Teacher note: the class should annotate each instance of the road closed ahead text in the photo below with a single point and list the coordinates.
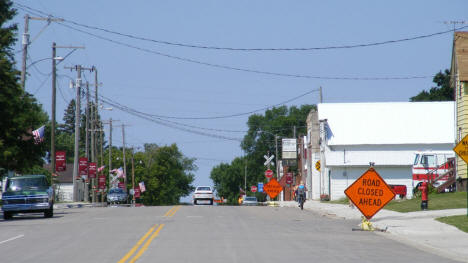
(369, 193)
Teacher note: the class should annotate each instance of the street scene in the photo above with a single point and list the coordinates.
(245, 131)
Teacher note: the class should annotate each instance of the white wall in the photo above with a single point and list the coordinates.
(64, 192)
(342, 177)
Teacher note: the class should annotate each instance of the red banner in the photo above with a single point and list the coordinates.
(92, 170)
(60, 161)
(102, 182)
(137, 192)
(83, 166)
(121, 185)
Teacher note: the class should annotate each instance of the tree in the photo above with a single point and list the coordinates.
(68, 125)
(167, 173)
(442, 92)
(259, 140)
(20, 113)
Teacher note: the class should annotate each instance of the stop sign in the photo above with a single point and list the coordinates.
(289, 178)
(269, 173)
(253, 189)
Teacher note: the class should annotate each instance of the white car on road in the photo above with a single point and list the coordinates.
(203, 195)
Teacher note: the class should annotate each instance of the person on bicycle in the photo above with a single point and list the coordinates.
(301, 193)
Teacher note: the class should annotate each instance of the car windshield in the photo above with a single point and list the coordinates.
(250, 199)
(28, 183)
(115, 191)
(204, 188)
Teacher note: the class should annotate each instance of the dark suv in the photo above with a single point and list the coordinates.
(27, 194)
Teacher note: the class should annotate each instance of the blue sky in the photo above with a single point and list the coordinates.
(164, 86)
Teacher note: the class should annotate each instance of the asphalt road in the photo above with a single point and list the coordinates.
(196, 234)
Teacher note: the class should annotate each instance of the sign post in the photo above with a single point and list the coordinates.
(461, 149)
(369, 193)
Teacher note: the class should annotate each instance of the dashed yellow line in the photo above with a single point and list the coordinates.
(145, 246)
(138, 244)
(172, 211)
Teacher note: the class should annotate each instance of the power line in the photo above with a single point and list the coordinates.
(278, 74)
(165, 42)
(238, 68)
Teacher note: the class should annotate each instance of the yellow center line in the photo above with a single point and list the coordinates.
(138, 244)
(145, 246)
(170, 210)
(174, 211)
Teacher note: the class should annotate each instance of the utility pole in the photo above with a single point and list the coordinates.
(78, 69)
(245, 177)
(101, 128)
(133, 176)
(124, 160)
(321, 95)
(110, 148)
(25, 50)
(77, 132)
(52, 125)
(54, 102)
(25, 43)
(86, 184)
(294, 132)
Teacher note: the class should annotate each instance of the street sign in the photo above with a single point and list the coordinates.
(260, 187)
(268, 159)
(462, 149)
(369, 193)
(269, 173)
(317, 165)
(253, 189)
(272, 188)
(289, 178)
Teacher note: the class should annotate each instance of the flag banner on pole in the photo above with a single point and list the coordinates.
(142, 186)
(101, 168)
(39, 135)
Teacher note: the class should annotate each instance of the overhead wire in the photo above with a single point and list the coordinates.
(240, 69)
(171, 43)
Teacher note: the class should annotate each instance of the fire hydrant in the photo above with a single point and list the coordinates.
(424, 201)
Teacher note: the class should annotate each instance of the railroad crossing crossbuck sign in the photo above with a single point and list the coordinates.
(268, 160)
(369, 193)
(462, 149)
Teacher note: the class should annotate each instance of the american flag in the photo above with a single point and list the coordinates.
(39, 135)
(142, 186)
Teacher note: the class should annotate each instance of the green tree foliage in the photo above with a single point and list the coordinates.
(20, 113)
(442, 92)
(259, 140)
(167, 173)
(68, 125)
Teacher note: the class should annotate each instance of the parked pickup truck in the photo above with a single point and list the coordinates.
(203, 195)
(27, 194)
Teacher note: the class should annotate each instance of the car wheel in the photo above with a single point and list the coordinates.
(211, 202)
(49, 213)
(195, 201)
(7, 215)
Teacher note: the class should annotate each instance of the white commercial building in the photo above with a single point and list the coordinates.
(346, 137)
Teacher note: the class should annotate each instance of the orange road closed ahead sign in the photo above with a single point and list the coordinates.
(369, 193)
(272, 188)
(462, 149)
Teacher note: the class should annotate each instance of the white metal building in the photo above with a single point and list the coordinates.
(354, 134)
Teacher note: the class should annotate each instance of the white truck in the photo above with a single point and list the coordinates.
(203, 195)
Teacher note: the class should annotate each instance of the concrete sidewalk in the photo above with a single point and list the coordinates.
(418, 229)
